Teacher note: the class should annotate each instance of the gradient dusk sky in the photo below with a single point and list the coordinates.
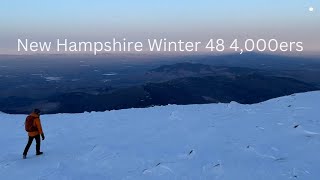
(100, 20)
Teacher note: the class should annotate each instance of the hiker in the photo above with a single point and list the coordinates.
(34, 129)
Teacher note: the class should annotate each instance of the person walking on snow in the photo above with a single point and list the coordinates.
(34, 129)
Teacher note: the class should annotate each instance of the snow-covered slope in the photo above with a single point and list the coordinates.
(215, 141)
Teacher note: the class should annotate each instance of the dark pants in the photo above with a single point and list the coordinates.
(37, 137)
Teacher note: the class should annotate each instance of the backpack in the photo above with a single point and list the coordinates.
(29, 124)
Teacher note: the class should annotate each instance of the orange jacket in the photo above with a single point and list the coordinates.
(36, 123)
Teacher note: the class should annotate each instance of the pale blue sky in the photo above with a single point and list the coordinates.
(137, 19)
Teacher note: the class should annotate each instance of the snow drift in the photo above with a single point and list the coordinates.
(276, 139)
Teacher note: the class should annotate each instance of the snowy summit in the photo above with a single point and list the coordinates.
(276, 139)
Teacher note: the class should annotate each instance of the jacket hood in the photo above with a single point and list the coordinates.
(34, 115)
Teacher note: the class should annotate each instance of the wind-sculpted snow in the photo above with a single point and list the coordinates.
(277, 139)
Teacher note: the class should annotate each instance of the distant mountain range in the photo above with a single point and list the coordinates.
(186, 83)
(180, 83)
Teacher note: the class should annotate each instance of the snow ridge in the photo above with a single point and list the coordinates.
(276, 139)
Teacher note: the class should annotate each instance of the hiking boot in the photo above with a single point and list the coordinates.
(39, 153)
(24, 156)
